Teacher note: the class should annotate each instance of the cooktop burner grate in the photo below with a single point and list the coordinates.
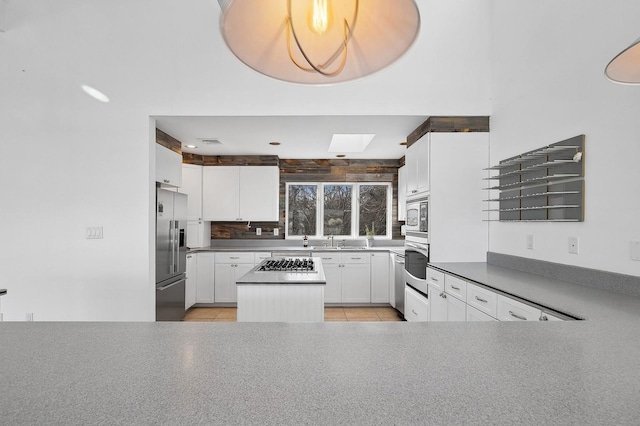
(288, 265)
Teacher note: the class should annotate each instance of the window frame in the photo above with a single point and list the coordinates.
(355, 210)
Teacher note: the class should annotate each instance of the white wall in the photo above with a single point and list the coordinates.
(69, 161)
(548, 85)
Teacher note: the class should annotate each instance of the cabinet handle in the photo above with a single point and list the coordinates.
(326, 258)
(481, 300)
(234, 257)
(435, 280)
(166, 180)
(444, 296)
(413, 191)
(455, 288)
(356, 258)
(414, 312)
(520, 317)
(544, 318)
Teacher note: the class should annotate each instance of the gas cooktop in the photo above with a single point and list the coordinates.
(293, 264)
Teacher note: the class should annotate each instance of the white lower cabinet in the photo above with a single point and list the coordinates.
(204, 277)
(356, 283)
(512, 310)
(380, 282)
(456, 309)
(475, 315)
(416, 306)
(229, 267)
(482, 299)
(348, 277)
(438, 305)
(192, 281)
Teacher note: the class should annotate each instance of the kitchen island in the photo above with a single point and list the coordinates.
(282, 290)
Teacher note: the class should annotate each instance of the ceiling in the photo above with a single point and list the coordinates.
(299, 136)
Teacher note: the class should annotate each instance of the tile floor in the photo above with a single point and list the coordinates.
(330, 314)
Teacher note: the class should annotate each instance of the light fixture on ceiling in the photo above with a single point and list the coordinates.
(190, 146)
(274, 143)
(625, 67)
(319, 41)
(403, 143)
(340, 155)
(95, 93)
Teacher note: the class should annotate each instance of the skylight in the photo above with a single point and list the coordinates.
(350, 142)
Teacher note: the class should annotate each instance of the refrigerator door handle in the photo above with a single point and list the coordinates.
(176, 245)
(168, 285)
(172, 243)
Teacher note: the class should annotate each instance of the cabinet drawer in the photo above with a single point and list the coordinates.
(355, 257)
(455, 287)
(328, 257)
(260, 256)
(435, 279)
(482, 299)
(475, 315)
(234, 257)
(416, 306)
(512, 310)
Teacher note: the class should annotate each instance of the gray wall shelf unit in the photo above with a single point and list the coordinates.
(543, 185)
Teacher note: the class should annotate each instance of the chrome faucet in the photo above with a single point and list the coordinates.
(330, 238)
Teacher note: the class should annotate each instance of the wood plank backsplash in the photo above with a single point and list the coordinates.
(301, 170)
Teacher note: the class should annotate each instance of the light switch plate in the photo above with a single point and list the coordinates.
(530, 242)
(635, 250)
(258, 231)
(276, 232)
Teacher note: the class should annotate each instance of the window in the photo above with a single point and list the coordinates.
(302, 209)
(373, 209)
(339, 209)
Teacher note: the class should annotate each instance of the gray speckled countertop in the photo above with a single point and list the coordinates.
(493, 373)
(573, 299)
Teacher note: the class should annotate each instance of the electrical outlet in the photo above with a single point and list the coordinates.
(276, 232)
(530, 242)
(258, 231)
(574, 245)
(635, 250)
(94, 232)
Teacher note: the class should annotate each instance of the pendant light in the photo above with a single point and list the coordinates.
(625, 67)
(319, 41)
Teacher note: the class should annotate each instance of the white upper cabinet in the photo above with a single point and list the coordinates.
(220, 193)
(168, 166)
(240, 193)
(259, 193)
(402, 193)
(417, 164)
(192, 186)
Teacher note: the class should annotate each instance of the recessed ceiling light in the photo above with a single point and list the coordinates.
(350, 142)
(340, 155)
(95, 93)
(274, 143)
(190, 146)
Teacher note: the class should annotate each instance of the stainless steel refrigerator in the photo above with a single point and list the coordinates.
(171, 254)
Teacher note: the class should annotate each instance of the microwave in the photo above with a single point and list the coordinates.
(418, 216)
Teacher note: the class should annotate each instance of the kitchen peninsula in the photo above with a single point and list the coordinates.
(282, 290)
